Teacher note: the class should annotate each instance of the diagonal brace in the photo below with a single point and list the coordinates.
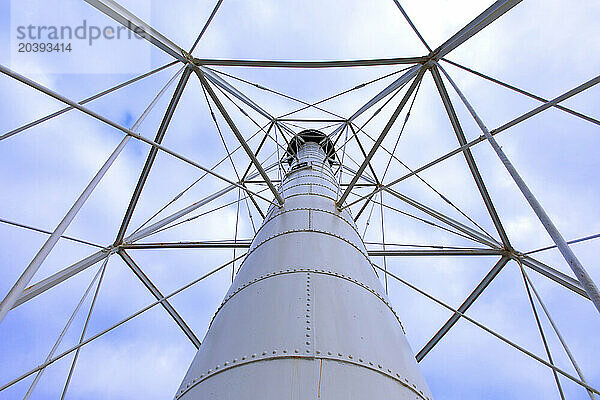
(489, 15)
(115, 11)
(238, 135)
(570, 257)
(469, 156)
(160, 134)
(158, 295)
(382, 136)
(463, 308)
(66, 273)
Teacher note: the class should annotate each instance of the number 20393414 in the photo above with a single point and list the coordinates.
(35, 47)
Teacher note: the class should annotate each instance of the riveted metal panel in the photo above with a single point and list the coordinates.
(301, 378)
(306, 316)
(279, 378)
(267, 316)
(329, 223)
(315, 213)
(283, 222)
(314, 202)
(308, 177)
(300, 221)
(287, 252)
(309, 188)
(348, 380)
(351, 321)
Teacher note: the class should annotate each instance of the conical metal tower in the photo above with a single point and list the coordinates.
(306, 316)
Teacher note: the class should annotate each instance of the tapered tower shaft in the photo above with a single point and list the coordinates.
(306, 316)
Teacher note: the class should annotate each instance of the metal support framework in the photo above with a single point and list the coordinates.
(309, 64)
(398, 83)
(493, 333)
(382, 136)
(129, 132)
(469, 157)
(542, 334)
(54, 279)
(463, 307)
(48, 283)
(142, 233)
(139, 27)
(523, 92)
(414, 28)
(66, 273)
(553, 274)
(116, 325)
(584, 86)
(249, 102)
(284, 128)
(16, 291)
(581, 274)
(47, 232)
(340, 121)
(583, 286)
(245, 243)
(315, 105)
(227, 244)
(260, 145)
(583, 239)
(203, 213)
(158, 295)
(65, 329)
(472, 233)
(488, 16)
(229, 156)
(180, 194)
(84, 101)
(469, 232)
(84, 330)
(363, 207)
(435, 252)
(364, 153)
(555, 328)
(160, 134)
(239, 136)
(206, 24)
(224, 85)
(437, 192)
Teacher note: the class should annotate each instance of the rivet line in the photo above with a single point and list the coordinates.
(272, 208)
(293, 178)
(309, 314)
(307, 270)
(252, 249)
(283, 212)
(339, 357)
(285, 188)
(311, 194)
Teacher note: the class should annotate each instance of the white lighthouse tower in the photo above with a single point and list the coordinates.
(306, 316)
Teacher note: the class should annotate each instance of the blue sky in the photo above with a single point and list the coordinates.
(546, 47)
